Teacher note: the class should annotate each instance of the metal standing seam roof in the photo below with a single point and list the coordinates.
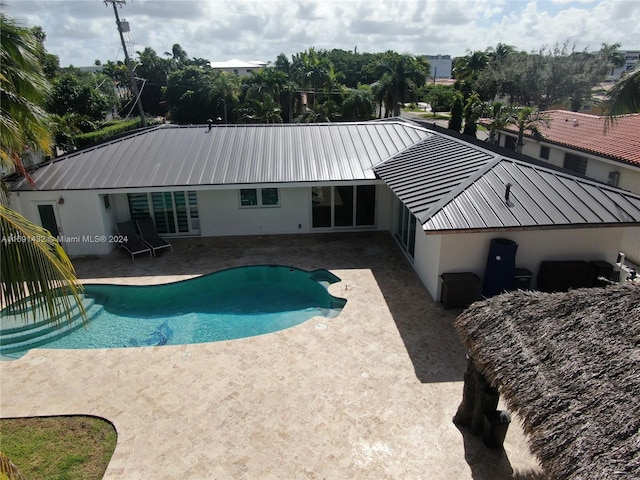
(170, 156)
(452, 186)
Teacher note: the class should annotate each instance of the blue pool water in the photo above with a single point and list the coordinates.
(235, 303)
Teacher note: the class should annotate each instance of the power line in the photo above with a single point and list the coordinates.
(122, 28)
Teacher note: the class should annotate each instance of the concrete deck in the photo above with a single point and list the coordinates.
(369, 397)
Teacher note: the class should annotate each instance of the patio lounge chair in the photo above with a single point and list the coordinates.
(130, 241)
(150, 236)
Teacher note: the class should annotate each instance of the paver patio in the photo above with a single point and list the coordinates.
(369, 397)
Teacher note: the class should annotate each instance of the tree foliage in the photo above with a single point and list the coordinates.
(82, 93)
(36, 275)
(457, 108)
(552, 76)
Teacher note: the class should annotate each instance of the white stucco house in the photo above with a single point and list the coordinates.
(580, 142)
(442, 198)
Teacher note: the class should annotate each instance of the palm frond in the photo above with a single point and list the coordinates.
(36, 273)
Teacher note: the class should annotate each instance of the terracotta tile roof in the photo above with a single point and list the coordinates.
(585, 132)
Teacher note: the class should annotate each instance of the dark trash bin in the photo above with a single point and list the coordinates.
(522, 279)
(496, 425)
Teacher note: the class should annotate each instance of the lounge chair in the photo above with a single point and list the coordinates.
(150, 236)
(130, 241)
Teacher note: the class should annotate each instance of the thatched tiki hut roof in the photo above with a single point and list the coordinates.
(569, 365)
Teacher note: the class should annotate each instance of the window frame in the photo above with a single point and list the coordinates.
(545, 152)
(357, 212)
(259, 195)
(189, 210)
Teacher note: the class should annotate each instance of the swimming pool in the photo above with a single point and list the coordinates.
(235, 303)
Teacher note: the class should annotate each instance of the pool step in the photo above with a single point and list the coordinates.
(12, 322)
(36, 334)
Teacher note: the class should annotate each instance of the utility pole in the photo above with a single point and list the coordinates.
(127, 60)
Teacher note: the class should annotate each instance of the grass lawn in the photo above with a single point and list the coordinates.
(56, 448)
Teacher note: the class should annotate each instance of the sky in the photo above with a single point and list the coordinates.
(82, 31)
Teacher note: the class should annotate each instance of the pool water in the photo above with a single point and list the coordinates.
(234, 303)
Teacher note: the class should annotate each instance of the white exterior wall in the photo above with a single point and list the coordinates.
(437, 254)
(83, 215)
(220, 214)
(81, 218)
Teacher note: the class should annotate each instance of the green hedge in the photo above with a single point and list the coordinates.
(110, 129)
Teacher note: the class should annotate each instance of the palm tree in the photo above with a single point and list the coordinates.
(37, 274)
(466, 69)
(624, 96)
(499, 115)
(400, 78)
(528, 119)
(358, 103)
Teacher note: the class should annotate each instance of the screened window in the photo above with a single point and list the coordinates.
(510, 142)
(575, 163)
(344, 206)
(259, 197)
(172, 212)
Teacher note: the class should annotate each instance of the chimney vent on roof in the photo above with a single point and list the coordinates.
(507, 192)
(209, 122)
(575, 122)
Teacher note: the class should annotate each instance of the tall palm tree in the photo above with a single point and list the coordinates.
(400, 78)
(37, 274)
(528, 119)
(467, 68)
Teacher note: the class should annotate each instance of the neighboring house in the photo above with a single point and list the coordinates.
(580, 143)
(441, 197)
(239, 67)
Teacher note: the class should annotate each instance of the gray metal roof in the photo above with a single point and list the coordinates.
(423, 174)
(169, 156)
(539, 197)
(450, 185)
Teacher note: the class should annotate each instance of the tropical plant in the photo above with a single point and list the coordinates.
(439, 97)
(472, 112)
(313, 70)
(66, 127)
(528, 119)
(83, 93)
(358, 103)
(623, 97)
(36, 273)
(457, 107)
(400, 78)
(499, 115)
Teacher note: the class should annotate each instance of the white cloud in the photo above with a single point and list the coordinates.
(80, 31)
